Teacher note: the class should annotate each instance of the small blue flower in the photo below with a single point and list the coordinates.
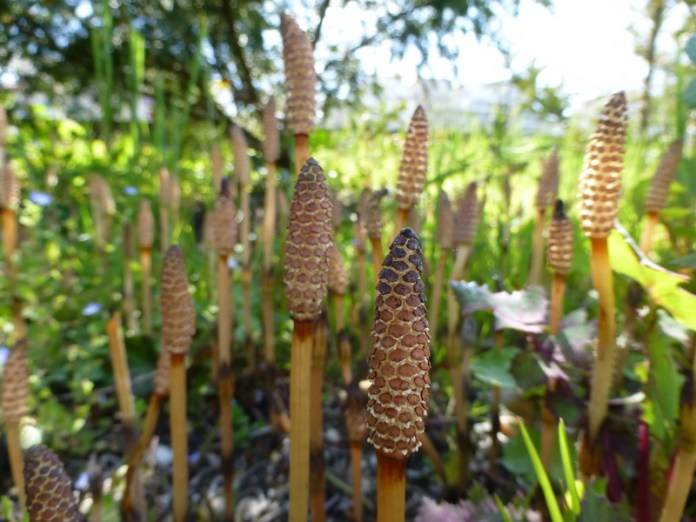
(4, 355)
(40, 198)
(91, 309)
(130, 190)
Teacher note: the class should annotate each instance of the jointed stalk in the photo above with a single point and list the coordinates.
(316, 438)
(179, 434)
(391, 489)
(14, 450)
(646, 238)
(146, 267)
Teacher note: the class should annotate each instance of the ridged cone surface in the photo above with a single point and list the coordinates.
(548, 183)
(664, 175)
(300, 77)
(15, 385)
(49, 490)
(9, 187)
(217, 165)
(560, 246)
(241, 155)
(338, 275)
(146, 224)
(363, 204)
(271, 137)
(165, 187)
(445, 222)
(399, 364)
(466, 218)
(308, 242)
(600, 181)
(414, 162)
(178, 314)
(161, 380)
(224, 225)
(373, 222)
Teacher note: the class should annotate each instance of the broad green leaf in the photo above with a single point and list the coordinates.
(691, 49)
(690, 93)
(661, 284)
(597, 508)
(663, 388)
(493, 367)
(544, 482)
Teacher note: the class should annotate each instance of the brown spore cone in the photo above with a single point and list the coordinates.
(161, 381)
(466, 218)
(548, 183)
(600, 181)
(49, 490)
(271, 138)
(300, 77)
(373, 220)
(414, 162)
(146, 224)
(178, 314)
(308, 242)
(224, 225)
(399, 364)
(9, 187)
(241, 154)
(560, 246)
(15, 385)
(338, 275)
(656, 196)
(445, 221)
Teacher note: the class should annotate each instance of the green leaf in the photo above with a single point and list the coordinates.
(597, 508)
(502, 509)
(527, 371)
(661, 284)
(493, 367)
(663, 388)
(690, 93)
(568, 467)
(549, 496)
(691, 49)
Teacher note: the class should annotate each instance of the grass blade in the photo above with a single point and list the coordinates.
(551, 502)
(568, 468)
(503, 510)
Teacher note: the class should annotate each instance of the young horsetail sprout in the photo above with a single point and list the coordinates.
(48, 488)
(241, 169)
(146, 238)
(178, 327)
(465, 224)
(373, 223)
(224, 238)
(560, 258)
(300, 85)
(656, 196)
(15, 391)
(546, 194)
(445, 225)
(306, 272)
(9, 203)
(399, 370)
(159, 395)
(271, 152)
(600, 187)
(414, 166)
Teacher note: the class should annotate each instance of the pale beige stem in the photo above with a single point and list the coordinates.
(14, 449)
(146, 266)
(316, 433)
(301, 151)
(402, 215)
(537, 249)
(269, 216)
(179, 436)
(356, 480)
(646, 238)
(391, 489)
(377, 255)
(119, 363)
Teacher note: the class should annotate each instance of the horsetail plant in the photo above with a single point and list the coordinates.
(165, 201)
(413, 168)
(9, 203)
(373, 224)
(306, 268)
(445, 225)
(225, 237)
(546, 194)
(146, 238)
(15, 392)
(338, 286)
(48, 487)
(560, 258)
(178, 328)
(600, 187)
(127, 240)
(656, 196)
(300, 85)
(271, 151)
(399, 367)
(317, 472)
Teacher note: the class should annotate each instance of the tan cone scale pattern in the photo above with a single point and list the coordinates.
(664, 175)
(178, 314)
(466, 219)
(600, 182)
(300, 78)
(146, 225)
(310, 230)
(548, 183)
(338, 275)
(224, 225)
(49, 490)
(271, 139)
(399, 364)
(445, 222)
(162, 374)
(560, 247)
(9, 187)
(414, 162)
(15, 385)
